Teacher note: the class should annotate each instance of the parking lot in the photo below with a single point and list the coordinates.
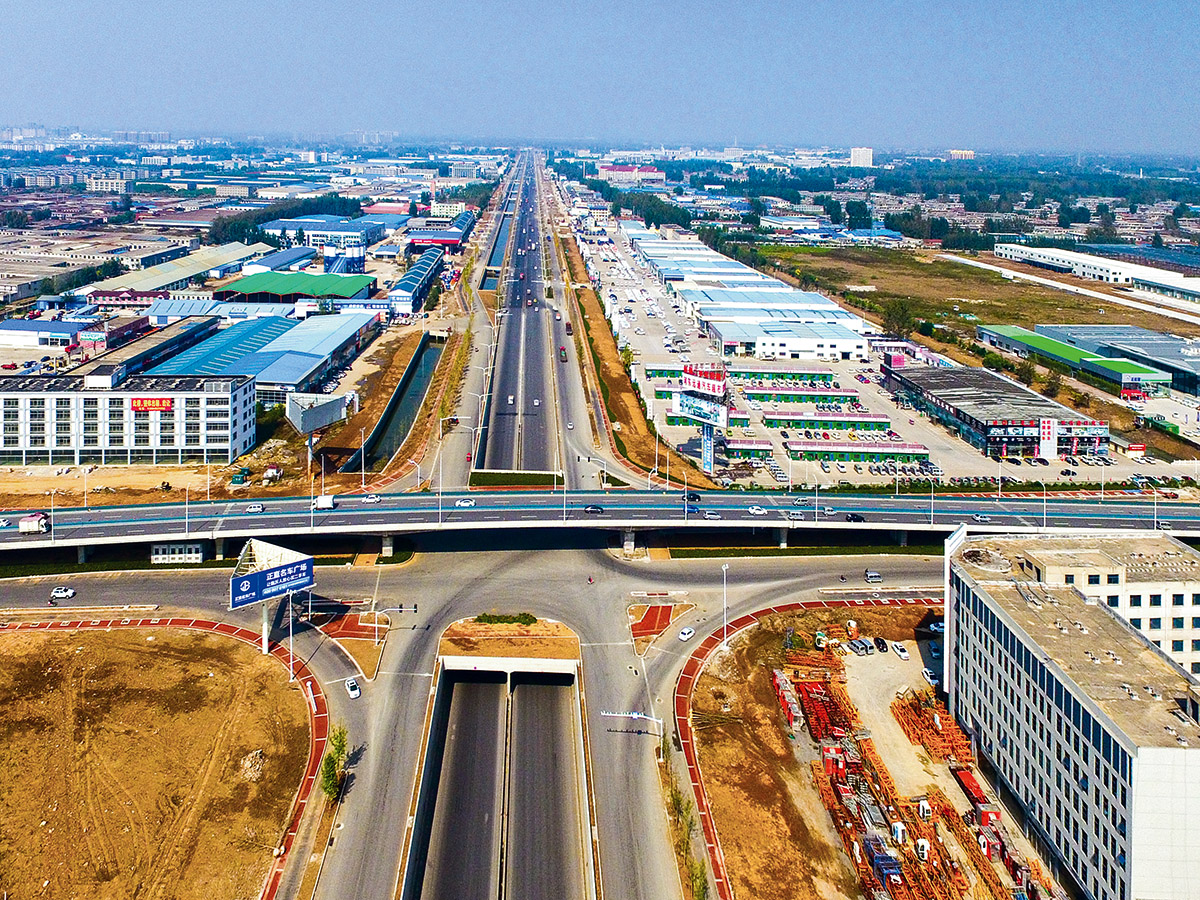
(882, 438)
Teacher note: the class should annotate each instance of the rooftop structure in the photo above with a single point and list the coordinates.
(289, 287)
(410, 291)
(145, 352)
(1086, 265)
(177, 273)
(1126, 374)
(1177, 356)
(1089, 727)
(788, 340)
(999, 416)
(214, 355)
(291, 259)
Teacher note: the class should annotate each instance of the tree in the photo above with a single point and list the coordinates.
(15, 218)
(898, 317)
(412, 208)
(1181, 211)
(333, 766)
(47, 286)
(435, 294)
(300, 238)
(1025, 372)
(858, 214)
(1158, 241)
(993, 361)
(614, 209)
(1053, 385)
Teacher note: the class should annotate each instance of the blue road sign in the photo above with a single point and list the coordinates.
(246, 590)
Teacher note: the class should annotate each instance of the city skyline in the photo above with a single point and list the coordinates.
(1014, 77)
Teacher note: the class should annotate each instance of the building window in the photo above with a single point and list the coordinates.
(1196, 667)
(1176, 646)
(1113, 600)
(1069, 579)
(1196, 646)
(1155, 624)
(1135, 599)
(1136, 623)
(1177, 599)
(1114, 578)
(1177, 622)
(1093, 579)
(1156, 599)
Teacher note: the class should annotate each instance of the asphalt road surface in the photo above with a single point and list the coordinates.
(397, 513)
(544, 844)
(464, 858)
(521, 434)
(457, 580)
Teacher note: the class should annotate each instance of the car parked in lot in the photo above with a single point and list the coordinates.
(930, 677)
(899, 650)
(881, 645)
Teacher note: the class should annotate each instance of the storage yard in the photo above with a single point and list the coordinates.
(831, 773)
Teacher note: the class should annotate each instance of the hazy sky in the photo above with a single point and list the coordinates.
(1004, 74)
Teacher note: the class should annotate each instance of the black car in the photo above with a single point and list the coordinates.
(880, 644)
(854, 517)
(691, 497)
(593, 509)
(784, 435)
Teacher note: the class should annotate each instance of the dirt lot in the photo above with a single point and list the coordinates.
(935, 286)
(620, 398)
(778, 839)
(545, 639)
(143, 764)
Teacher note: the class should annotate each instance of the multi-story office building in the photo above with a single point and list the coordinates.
(862, 157)
(104, 418)
(1088, 726)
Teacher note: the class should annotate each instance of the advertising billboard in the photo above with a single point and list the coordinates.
(705, 379)
(702, 409)
(150, 404)
(706, 449)
(254, 587)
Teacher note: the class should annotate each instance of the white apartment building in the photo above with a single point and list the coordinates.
(102, 418)
(1087, 724)
(99, 185)
(862, 157)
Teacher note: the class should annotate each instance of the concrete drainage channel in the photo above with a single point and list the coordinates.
(502, 808)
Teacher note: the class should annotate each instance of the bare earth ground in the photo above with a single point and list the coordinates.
(139, 764)
(622, 402)
(778, 839)
(545, 639)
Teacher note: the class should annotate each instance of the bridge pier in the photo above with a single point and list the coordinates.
(81, 554)
(783, 538)
(902, 537)
(219, 548)
(386, 547)
(629, 538)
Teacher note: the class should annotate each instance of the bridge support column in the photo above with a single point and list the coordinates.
(219, 548)
(629, 538)
(783, 536)
(81, 554)
(386, 546)
(902, 537)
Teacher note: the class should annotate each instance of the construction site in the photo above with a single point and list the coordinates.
(906, 814)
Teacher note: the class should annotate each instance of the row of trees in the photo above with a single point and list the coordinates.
(77, 279)
(244, 226)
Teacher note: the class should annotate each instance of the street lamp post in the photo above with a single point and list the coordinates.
(931, 500)
(362, 456)
(724, 605)
(186, 493)
(1043, 484)
(418, 465)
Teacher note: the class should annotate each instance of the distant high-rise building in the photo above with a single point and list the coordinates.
(962, 154)
(862, 157)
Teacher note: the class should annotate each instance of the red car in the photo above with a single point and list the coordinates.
(8, 366)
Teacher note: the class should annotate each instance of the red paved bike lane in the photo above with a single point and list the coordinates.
(692, 668)
(311, 687)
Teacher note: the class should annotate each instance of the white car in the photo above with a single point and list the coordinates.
(930, 677)
(570, 426)
(938, 627)
(756, 511)
(899, 650)
(372, 498)
(62, 593)
(711, 514)
(5, 523)
(687, 634)
(465, 502)
(980, 517)
(353, 689)
(254, 508)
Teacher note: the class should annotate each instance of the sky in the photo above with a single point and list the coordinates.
(1053, 75)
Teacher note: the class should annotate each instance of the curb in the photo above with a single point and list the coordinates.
(315, 697)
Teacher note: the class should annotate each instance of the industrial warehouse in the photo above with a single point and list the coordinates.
(998, 416)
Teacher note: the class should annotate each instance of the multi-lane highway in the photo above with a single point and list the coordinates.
(636, 509)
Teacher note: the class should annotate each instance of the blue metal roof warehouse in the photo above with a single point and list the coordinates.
(410, 290)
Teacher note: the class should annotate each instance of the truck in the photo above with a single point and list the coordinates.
(325, 501)
(569, 330)
(34, 523)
